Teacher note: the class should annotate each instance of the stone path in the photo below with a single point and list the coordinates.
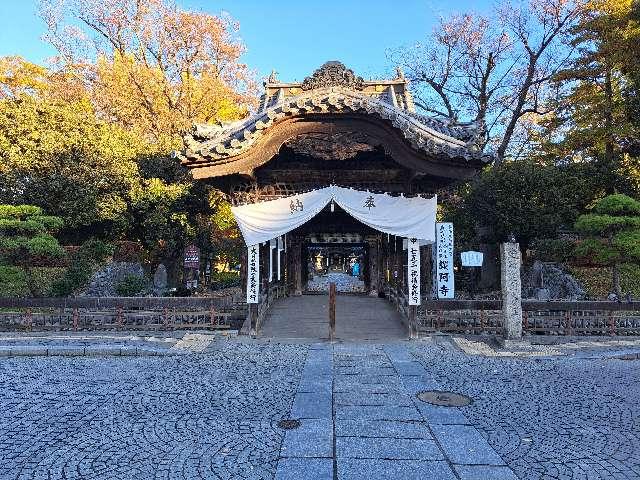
(344, 283)
(357, 318)
(361, 419)
(215, 414)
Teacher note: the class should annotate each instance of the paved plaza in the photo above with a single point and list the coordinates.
(213, 413)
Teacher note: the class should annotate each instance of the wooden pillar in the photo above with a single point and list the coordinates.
(295, 250)
(243, 271)
(332, 311)
(426, 276)
(412, 318)
(374, 270)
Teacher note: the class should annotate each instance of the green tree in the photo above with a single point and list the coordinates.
(104, 180)
(613, 229)
(523, 198)
(60, 156)
(26, 240)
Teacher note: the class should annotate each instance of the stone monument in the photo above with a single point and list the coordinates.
(160, 280)
(511, 290)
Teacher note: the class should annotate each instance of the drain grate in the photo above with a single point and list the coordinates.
(444, 399)
(288, 424)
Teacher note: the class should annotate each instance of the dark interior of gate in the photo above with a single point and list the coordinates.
(335, 128)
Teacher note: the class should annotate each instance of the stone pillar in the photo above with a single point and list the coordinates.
(374, 271)
(511, 290)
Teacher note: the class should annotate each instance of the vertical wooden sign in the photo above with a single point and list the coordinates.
(253, 273)
(413, 270)
(444, 260)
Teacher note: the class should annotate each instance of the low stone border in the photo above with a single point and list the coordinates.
(69, 351)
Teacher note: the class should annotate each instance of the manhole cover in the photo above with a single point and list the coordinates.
(445, 399)
(628, 356)
(288, 424)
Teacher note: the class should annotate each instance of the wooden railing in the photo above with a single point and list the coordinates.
(257, 312)
(581, 318)
(452, 316)
(135, 313)
(539, 318)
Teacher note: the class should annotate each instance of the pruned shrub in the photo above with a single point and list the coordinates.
(131, 286)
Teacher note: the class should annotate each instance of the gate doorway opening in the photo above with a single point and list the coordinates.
(340, 263)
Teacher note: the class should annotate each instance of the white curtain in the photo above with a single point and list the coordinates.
(401, 216)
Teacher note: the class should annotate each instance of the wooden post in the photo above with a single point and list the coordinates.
(29, 323)
(373, 267)
(212, 316)
(74, 316)
(253, 317)
(413, 321)
(332, 311)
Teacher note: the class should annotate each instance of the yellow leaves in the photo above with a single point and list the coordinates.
(183, 221)
(65, 138)
(17, 77)
(144, 97)
(155, 189)
(159, 68)
(610, 7)
(111, 207)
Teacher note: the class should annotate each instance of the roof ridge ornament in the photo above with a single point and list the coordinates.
(333, 74)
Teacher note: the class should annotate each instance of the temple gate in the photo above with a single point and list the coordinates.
(335, 128)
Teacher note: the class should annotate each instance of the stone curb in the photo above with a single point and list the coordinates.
(62, 351)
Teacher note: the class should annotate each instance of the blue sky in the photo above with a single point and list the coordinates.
(294, 37)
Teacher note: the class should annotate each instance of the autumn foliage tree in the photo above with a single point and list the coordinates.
(152, 65)
(88, 139)
(594, 115)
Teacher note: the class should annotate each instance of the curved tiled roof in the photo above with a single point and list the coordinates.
(424, 133)
(216, 144)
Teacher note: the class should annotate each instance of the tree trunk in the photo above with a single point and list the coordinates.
(517, 111)
(616, 281)
(608, 121)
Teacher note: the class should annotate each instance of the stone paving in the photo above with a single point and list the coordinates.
(215, 414)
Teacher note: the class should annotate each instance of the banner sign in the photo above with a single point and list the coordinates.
(192, 257)
(273, 244)
(280, 249)
(413, 270)
(471, 259)
(444, 260)
(253, 273)
(262, 221)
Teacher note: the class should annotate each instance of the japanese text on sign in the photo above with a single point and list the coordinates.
(471, 259)
(253, 273)
(192, 257)
(413, 270)
(444, 260)
(296, 206)
(369, 203)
